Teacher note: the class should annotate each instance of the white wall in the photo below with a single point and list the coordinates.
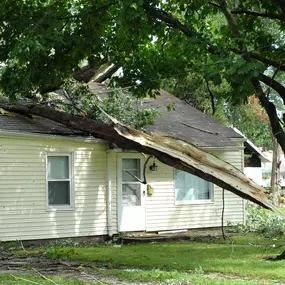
(163, 214)
(23, 212)
(254, 173)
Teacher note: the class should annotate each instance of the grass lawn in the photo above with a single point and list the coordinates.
(31, 279)
(242, 260)
(240, 257)
(175, 279)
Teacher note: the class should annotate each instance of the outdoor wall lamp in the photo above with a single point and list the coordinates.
(153, 167)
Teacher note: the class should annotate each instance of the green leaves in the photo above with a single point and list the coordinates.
(42, 43)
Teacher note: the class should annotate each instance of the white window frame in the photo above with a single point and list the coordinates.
(71, 206)
(195, 202)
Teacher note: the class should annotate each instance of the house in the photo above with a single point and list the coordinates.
(254, 160)
(59, 183)
(266, 172)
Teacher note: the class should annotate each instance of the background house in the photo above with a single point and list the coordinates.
(254, 160)
(56, 182)
(266, 173)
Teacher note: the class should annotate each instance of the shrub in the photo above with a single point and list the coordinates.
(263, 222)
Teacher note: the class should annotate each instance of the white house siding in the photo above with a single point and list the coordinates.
(163, 214)
(23, 212)
(114, 193)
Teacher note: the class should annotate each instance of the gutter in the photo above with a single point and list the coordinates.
(109, 189)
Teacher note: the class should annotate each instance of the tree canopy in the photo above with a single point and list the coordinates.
(43, 43)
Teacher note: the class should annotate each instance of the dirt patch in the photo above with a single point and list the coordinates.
(12, 264)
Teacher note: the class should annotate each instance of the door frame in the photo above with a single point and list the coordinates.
(120, 156)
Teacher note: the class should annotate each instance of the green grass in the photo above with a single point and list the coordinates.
(175, 277)
(28, 279)
(252, 239)
(233, 259)
(236, 261)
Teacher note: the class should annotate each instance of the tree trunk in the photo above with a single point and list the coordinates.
(275, 172)
(171, 151)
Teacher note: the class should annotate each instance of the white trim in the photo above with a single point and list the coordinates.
(238, 139)
(109, 220)
(6, 133)
(194, 202)
(121, 151)
(70, 207)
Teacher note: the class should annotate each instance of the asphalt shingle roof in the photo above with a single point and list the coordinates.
(37, 124)
(188, 124)
(183, 122)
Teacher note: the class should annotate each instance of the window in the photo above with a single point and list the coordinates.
(131, 187)
(59, 182)
(190, 188)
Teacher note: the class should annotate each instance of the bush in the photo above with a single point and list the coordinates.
(263, 222)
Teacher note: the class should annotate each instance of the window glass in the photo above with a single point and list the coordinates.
(130, 168)
(59, 182)
(131, 188)
(58, 167)
(59, 193)
(190, 187)
(131, 194)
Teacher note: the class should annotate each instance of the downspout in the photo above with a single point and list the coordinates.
(109, 189)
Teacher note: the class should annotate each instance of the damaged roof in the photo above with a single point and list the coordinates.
(182, 121)
(187, 123)
(34, 124)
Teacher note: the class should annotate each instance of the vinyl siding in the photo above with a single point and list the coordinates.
(163, 214)
(23, 211)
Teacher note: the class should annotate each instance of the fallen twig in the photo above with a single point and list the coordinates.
(26, 280)
(45, 277)
(91, 276)
(22, 245)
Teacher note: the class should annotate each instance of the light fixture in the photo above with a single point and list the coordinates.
(153, 167)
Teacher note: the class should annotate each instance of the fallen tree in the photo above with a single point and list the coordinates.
(171, 151)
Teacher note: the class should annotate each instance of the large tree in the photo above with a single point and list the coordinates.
(43, 43)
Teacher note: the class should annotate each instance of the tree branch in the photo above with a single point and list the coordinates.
(270, 108)
(231, 20)
(85, 74)
(267, 105)
(258, 14)
(252, 13)
(105, 75)
(165, 17)
(169, 19)
(260, 58)
(281, 4)
(171, 151)
(270, 82)
(212, 98)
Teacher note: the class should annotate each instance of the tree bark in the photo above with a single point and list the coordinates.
(275, 172)
(171, 151)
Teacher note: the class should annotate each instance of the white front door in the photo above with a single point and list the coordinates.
(131, 193)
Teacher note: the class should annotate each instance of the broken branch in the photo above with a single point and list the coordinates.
(173, 152)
